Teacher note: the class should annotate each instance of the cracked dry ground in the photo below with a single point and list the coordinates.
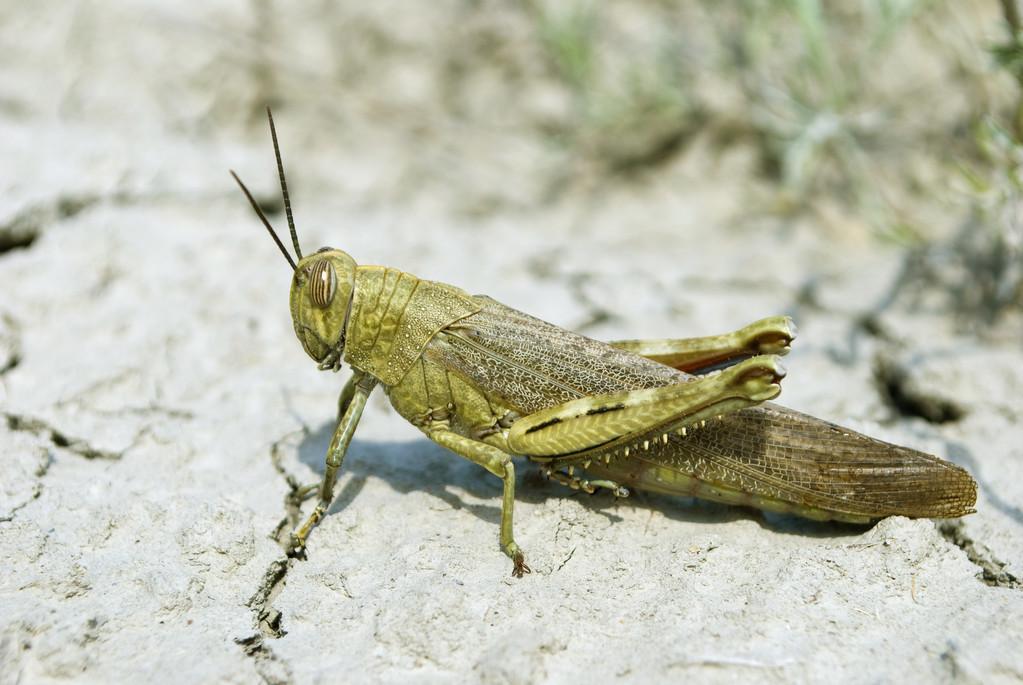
(158, 417)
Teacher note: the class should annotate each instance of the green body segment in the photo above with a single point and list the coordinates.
(394, 315)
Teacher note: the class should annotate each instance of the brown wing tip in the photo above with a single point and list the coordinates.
(954, 495)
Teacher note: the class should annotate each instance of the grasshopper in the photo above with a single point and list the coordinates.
(687, 416)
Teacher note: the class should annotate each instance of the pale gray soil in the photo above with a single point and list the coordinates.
(155, 402)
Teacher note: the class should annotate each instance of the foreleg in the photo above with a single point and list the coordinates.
(362, 385)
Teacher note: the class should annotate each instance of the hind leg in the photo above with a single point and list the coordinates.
(772, 335)
(568, 478)
(599, 422)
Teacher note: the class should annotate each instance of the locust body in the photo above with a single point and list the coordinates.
(687, 416)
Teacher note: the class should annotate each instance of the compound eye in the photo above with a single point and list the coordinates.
(322, 283)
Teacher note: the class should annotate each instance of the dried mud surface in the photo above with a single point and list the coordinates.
(156, 410)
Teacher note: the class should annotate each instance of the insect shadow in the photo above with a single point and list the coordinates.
(421, 465)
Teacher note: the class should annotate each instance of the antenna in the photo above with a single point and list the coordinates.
(284, 185)
(266, 223)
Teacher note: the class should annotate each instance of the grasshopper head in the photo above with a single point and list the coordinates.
(321, 295)
(322, 285)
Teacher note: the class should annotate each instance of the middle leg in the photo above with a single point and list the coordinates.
(498, 463)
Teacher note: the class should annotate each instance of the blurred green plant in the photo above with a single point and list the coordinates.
(977, 275)
(569, 35)
(991, 246)
(982, 266)
(820, 88)
(630, 104)
(809, 73)
(1009, 55)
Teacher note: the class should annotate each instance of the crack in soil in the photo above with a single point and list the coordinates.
(37, 487)
(82, 448)
(292, 500)
(268, 619)
(594, 314)
(992, 570)
(271, 669)
(26, 226)
(10, 343)
(900, 392)
(567, 559)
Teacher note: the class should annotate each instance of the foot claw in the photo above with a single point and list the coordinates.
(296, 548)
(520, 568)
